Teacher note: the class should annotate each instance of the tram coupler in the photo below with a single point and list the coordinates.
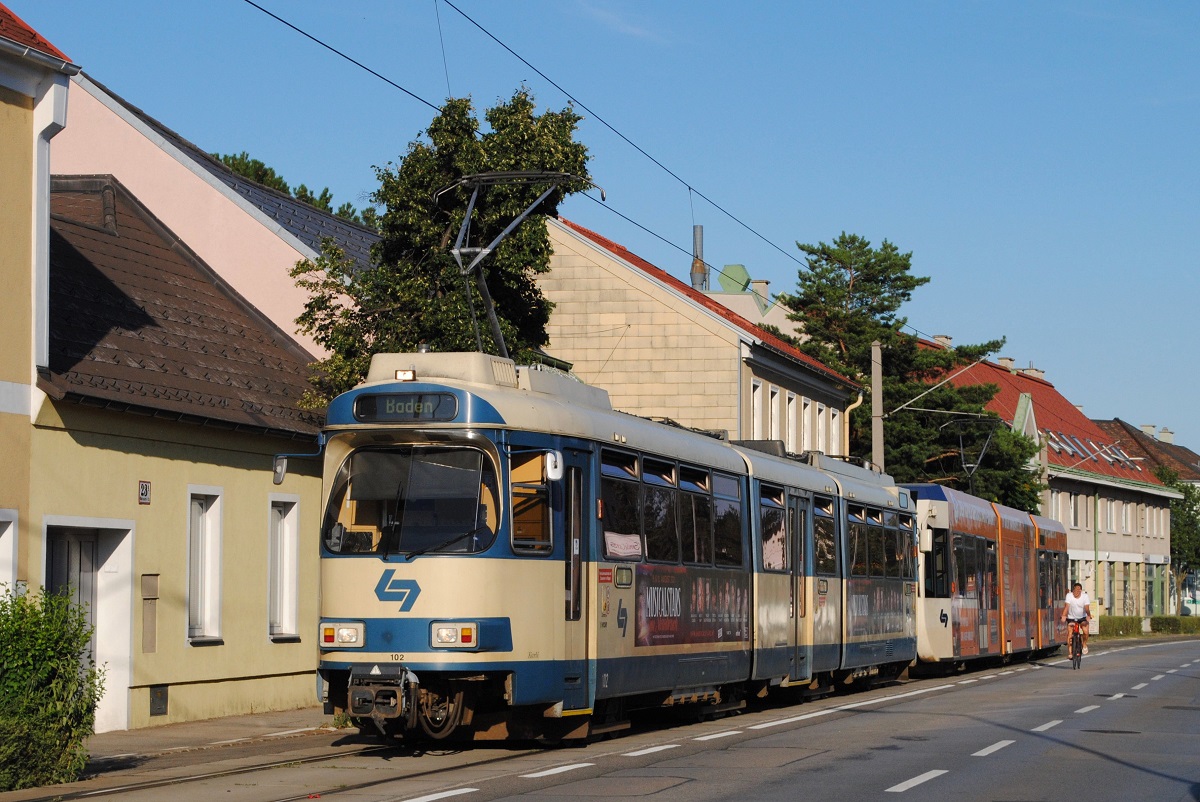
(382, 694)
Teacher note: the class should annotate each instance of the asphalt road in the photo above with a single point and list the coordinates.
(1124, 727)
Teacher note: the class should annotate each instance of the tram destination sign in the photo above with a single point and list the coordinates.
(405, 407)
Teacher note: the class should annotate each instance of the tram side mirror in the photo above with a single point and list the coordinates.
(280, 470)
(554, 466)
(926, 538)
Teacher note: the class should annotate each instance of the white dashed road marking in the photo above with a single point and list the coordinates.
(915, 781)
(996, 747)
(557, 770)
(1088, 709)
(651, 750)
(1047, 725)
(716, 735)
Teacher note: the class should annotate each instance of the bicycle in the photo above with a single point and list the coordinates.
(1076, 645)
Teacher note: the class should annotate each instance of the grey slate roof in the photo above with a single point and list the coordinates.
(307, 223)
(138, 322)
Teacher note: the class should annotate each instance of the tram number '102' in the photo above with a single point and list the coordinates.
(396, 658)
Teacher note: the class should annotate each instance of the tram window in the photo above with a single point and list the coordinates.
(960, 568)
(856, 537)
(937, 570)
(879, 550)
(696, 525)
(727, 521)
(988, 565)
(908, 546)
(530, 505)
(695, 480)
(660, 524)
(621, 504)
(618, 464)
(410, 499)
(824, 538)
(655, 472)
(773, 530)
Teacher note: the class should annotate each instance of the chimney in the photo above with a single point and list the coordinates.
(1006, 362)
(943, 340)
(1166, 436)
(1036, 373)
(699, 269)
(758, 286)
(1080, 408)
(1148, 429)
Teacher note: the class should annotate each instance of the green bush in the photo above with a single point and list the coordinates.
(1175, 624)
(49, 687)
(1115, 626)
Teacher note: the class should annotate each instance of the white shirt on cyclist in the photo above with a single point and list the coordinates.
(1077, 606)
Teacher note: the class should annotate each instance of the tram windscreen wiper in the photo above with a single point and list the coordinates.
(446, 543)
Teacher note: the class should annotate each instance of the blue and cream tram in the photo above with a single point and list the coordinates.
(503, 555)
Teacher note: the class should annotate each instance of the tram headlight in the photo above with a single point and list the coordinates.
(342, 635)
(461, 635)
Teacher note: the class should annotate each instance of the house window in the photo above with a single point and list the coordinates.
(756, 410)
(204, 565)
(8, 548)
(835, 431)
(1126, 518)
(1078, 516)
(1110, 507)
(283, 569)
(791, 422)
(806, 425)
(822, 430)
(773, 415)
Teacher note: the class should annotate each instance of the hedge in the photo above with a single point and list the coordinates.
(1176, 624)
(49, 687)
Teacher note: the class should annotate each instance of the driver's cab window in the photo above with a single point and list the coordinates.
(530, 504)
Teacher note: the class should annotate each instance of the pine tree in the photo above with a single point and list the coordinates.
(850, 294)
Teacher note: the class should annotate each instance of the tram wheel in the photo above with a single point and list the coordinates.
(440, 714)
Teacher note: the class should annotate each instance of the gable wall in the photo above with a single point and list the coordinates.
(253, 259)
(654, 353)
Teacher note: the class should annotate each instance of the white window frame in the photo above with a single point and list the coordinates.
(8, 548)
(822, 429)
(806, 427)
(756, 410)
(773, 414)
(1111, 507)
(835, 431)
(790, 417)
(204, 564)
(283, 567)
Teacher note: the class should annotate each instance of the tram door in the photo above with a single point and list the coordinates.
(826, 610)
(577, 501)
(799, 535)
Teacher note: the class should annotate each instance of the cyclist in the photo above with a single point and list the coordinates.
(1077, 610)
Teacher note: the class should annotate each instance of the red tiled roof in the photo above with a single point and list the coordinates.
(14, 29)
(1059, 422)
(1183, 461)
(663, 277)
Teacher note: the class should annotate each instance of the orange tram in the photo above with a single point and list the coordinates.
(992, 581)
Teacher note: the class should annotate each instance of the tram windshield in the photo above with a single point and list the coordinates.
(412, 500)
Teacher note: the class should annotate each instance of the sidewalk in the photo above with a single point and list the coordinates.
(209, 734)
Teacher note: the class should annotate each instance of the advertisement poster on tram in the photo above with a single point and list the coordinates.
(685, 605)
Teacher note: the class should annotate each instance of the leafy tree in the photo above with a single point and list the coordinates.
(417, 293)
(49, 688)
(255, 170)
(850, 294)
(1185, 526)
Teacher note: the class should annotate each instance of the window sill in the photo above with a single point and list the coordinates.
(206, 640)
(285, 638)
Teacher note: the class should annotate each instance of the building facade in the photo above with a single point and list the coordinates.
(1116, 512)
(665, 349)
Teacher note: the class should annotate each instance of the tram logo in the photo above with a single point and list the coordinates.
(404, 591)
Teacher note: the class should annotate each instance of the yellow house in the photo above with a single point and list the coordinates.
(33, 106)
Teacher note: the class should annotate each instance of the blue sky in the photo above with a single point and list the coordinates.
(1039, 159)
